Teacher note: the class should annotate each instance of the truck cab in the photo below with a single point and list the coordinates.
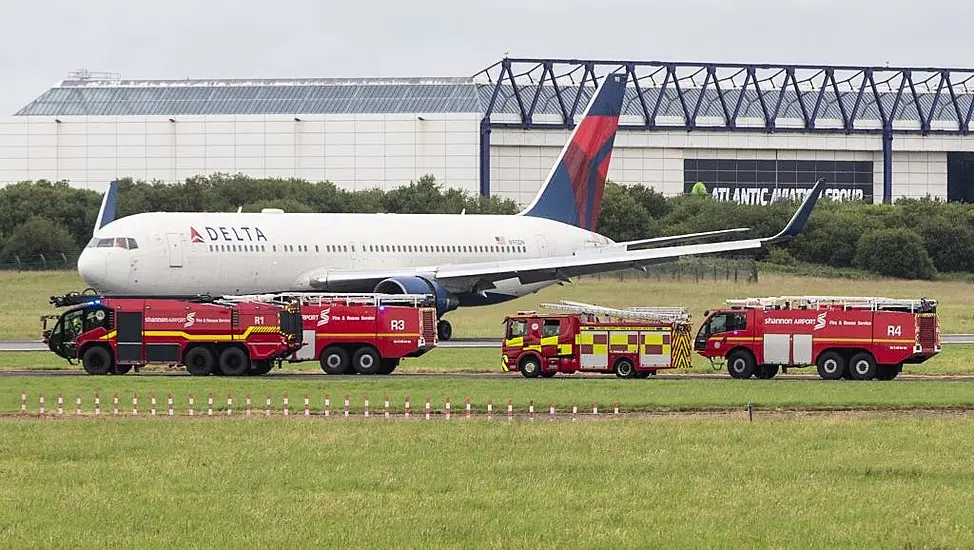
(717, 327)
(62, 339)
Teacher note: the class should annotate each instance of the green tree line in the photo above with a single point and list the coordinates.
(913, 238)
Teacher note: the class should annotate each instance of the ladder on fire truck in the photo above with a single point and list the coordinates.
(658, 314)
(875, 303)
(317, 298)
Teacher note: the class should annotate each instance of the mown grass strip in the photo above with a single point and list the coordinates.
(622, 484)
(632, 395)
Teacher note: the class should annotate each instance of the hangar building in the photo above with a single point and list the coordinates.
(750, 132)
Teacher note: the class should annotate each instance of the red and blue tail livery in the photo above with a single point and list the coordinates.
(572, 193)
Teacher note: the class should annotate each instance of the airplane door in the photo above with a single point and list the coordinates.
(175, 249)
(542, 246)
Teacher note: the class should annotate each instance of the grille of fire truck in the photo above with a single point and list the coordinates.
(920, 305)
(928, 331)
(429, 326)
(314, 298)
(660, 314)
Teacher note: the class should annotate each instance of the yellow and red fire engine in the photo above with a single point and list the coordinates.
(575, 337)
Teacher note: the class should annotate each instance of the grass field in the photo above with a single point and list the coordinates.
(25, 298)
(846, 480)
(668, 483)
(661, 394)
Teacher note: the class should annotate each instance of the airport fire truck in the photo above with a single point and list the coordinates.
(110, 335)
(575, 337)
(346, 333)
(361, 333)
(858, 338)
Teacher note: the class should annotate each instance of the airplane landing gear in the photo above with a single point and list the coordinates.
(444, 330)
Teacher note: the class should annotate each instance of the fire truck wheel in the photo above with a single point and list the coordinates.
(388, 365)
(334, 360)
(367, 361)
(624, 368)
(831, 365)
(741, 364)
(97, 360)
(199, 361)
(888, 372)
(444, 330)
(862, 366)
(234, 361)
(767, 372)
(530, 367)
(260, 368)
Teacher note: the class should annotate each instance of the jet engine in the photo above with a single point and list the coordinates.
(445, 301)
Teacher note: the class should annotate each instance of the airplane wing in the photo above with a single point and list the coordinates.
(677, 239)
(482, 276)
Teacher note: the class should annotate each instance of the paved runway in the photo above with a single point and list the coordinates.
(470, 343)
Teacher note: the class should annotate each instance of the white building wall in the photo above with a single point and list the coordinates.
(521, 159)
(353, 151)
(386, 151)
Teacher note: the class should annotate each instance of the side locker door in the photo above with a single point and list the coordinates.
(129, 337)
(175, 241)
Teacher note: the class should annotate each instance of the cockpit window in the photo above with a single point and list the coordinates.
(114, 242)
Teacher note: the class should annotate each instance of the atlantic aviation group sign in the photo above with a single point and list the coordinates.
(755, 193)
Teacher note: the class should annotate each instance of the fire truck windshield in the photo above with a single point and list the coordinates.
(723, 322)
(517, 328)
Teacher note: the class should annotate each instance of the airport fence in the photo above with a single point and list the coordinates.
(41, 262)
(738, 270)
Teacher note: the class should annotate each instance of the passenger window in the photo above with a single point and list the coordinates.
(550, 328)
(516, 329)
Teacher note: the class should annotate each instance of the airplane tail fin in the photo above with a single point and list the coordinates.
(106, 214)
(572, 193)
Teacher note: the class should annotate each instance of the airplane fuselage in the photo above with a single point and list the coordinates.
(237, 253)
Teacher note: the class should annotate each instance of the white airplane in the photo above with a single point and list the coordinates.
(464, 260)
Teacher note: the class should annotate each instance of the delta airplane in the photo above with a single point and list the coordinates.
(462, 259)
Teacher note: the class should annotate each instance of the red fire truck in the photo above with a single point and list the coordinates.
(361, 333)
(576, 337)
(857, 338)
(110, 335)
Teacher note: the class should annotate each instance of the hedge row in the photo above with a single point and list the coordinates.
(910, 239)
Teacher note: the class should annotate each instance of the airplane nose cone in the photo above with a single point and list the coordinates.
(92, 268)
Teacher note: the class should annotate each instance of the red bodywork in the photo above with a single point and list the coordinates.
(569, 343)
(355, 326)
(140, 331)
(831, 336)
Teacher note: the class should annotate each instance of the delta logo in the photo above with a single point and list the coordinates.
(227, 234)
